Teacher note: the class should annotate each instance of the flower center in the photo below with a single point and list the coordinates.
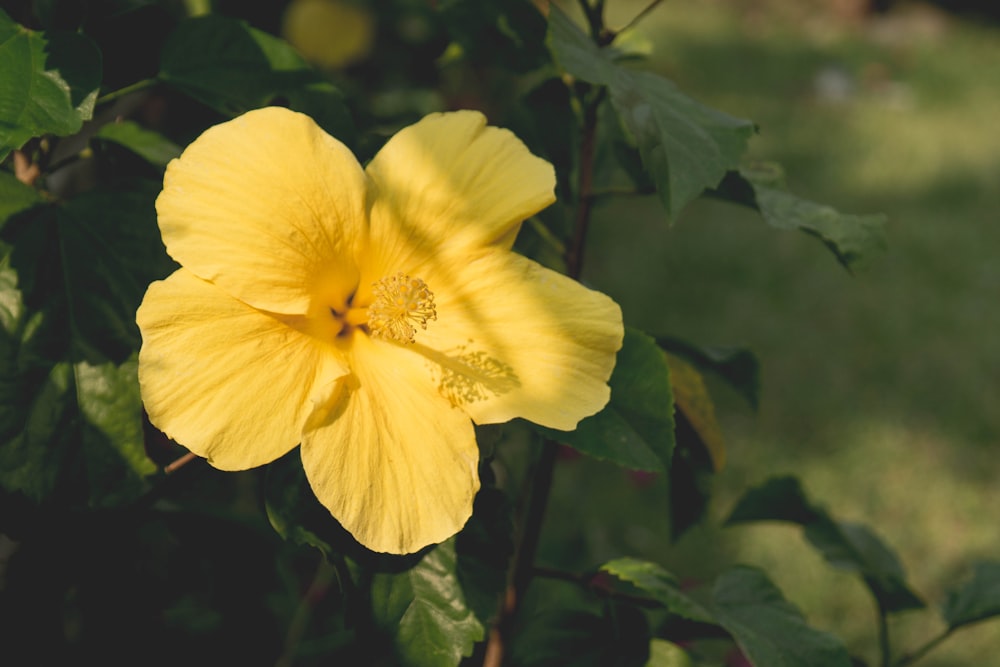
(401, 304)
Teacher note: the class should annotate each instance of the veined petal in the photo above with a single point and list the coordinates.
(268, 207)
(228, 382)
(514, 339)
(395, 463)
(449, 182)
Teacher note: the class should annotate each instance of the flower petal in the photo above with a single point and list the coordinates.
(268, 207)
(451, 182)
(230, 383)
(514, 339)
(395, 463)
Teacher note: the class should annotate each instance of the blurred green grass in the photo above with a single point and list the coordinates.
(880, 391)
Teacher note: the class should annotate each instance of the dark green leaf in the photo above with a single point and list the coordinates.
(618, 635)
(425, 611)
(636, 429)
(15, 196)
(847, 546)
(505, 33)
(71, 278)
(151, 146)
(292, 508)
(483, 549)
(738, 366)
(854, 239)
(977, 600)
(777, 499)
(686, 146)
(855, 548)
(770, 630)
(233, 68)
(576, 52)
(49, 83)
(653, 580)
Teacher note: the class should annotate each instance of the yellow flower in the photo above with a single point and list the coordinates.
(371, 315)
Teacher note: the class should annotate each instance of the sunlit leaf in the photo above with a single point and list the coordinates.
(686, 147)
(424, 611)
(49, 83)
(660, 584)
(737, 366)
(233, 68)
(151, 146)
(977, 600)
(667, 654)
(769, 629)
(636, 429)
(848, 546)
(693, 400)
(700, 450)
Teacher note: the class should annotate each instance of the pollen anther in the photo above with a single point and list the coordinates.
(402, 303)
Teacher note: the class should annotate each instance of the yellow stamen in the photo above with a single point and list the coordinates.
(401, 304)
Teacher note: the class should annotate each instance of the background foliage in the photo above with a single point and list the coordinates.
(751, 355)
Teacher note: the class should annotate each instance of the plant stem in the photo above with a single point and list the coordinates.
(326, 574)
(585, 189)
(176, 465)
(641, 15)
(595, 18)
(132, 88)
(885, 650)
(912, 657)
(541, 479)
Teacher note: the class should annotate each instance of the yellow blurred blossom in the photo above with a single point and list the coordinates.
(329, 33)
(371, 315)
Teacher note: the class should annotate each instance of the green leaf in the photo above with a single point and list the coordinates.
(71, 278)
(636, 429)
(151, 146)
(560, 637)
(848, 546)
(108, 401)
(484, 548)
(738, 366)
(15, 197)
(686, 146)
(505, 33)
(667, 654)
(233, 68)
(770, 630)
(49, 84)
(655, 581)
(777, 499)
(424, 611)
(855, 240)
(695, 405)
(977, 600)
(292, 507)
(701, 448)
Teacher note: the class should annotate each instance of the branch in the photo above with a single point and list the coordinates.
(325, 575)
(885, 651)
(641, 15)
(911, 658)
